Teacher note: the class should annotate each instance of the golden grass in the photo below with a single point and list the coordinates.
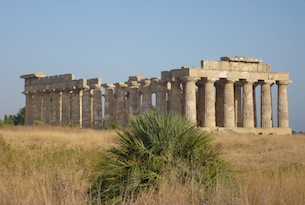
(51, 165)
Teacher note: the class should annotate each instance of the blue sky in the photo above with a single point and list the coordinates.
(115, 39)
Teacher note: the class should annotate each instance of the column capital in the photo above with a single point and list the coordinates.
(230, 80)
(121, 85)
(145, 82)
(283, 82)
(190, 79)
(269, 82)
(108, 86)
(248, 81)
(211, 80)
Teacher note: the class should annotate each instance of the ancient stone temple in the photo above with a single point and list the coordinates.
(220, 96)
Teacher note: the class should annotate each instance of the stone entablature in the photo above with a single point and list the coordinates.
(219, 96)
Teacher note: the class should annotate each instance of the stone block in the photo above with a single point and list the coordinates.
(214, 65)
(224, 65)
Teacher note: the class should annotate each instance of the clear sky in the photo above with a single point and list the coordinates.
(118, 38)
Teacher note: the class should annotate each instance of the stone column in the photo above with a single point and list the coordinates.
(248, 104)
(161, 104)
(77, 114)
(254, 105)
(229, 112)
(146, 96)
(28, 119)
(219, 103)
(209, 117)
(97, 114)
(282, 110)
(37, 106)
(175, 101)
(266, 104)
(86, 108)
(121, 103)
(238, 106)
(190, 99)
(200, 103)
(46, 109)
(109, 105)
(66, 108)
(56, 108)
(134, 96)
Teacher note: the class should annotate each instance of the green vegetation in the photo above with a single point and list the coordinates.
(152, 148)
(15, 119)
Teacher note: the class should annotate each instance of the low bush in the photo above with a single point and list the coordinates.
(155, 146)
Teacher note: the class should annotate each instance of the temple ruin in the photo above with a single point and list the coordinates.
(219, 96)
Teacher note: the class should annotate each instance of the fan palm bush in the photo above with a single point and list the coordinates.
(154, 146)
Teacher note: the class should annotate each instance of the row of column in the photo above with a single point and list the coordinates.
(79, 107)
(235, 104)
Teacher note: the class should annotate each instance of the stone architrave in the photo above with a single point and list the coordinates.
(248, 104)
(76, 117)
(161, 102)
(229, 112)
(175, 97)
(266, 104)
(121, 113)
(66, 108)
(209, 116)
(190, 99)
(146, 96)
(46, 108)
(97, 118)
(282, 111)
(200, 102)
(109, 105)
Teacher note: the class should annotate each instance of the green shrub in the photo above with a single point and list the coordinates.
(1, 123)
(153, 146)
(38, 123)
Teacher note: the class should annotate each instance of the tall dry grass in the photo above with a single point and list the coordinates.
(48, 165)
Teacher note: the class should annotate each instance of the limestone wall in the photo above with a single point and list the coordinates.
(219, 95)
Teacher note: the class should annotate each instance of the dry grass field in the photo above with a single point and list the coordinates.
(49, 165)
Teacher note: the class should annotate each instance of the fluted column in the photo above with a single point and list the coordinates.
(266, 104)
(209, 114)
(190, 99)
(121, 113)
(109, 105)
(238, 106)
(46, 108)
(134, 96)
(86, 108)
(282, 111)
(66, 108)
(248, 104)
(254, 105)
(146, 96)
(77, 113)
(229, 112)
(175, 98)
(56, 110)
(28, 119)
(37, 106)
(219, 103)
(97, 107)
(161, 103)
(200, 103)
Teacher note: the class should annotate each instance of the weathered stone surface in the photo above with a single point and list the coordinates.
(219, 95)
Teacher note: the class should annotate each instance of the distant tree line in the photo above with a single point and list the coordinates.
(17, 119)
